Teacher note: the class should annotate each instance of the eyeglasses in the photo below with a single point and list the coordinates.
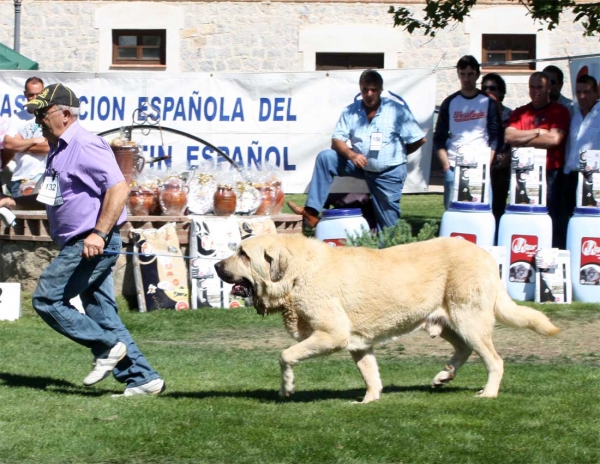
(485, 88)
(553, 81)
(42, 115)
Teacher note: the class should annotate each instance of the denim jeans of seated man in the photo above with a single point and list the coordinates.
(385, 187)
(448, 186)
(100, 327)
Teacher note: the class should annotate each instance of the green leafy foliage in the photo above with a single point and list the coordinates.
(398, 234)
(439, 14)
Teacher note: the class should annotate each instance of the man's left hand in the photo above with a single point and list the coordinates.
(93, 246)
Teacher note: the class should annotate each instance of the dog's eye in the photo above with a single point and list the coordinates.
(243, 255)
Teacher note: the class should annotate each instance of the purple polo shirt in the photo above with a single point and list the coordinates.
(86, 168)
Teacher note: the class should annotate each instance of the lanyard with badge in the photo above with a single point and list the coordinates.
(376, 141)
(50, 193)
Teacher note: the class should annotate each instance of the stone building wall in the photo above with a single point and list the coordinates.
(254, 36)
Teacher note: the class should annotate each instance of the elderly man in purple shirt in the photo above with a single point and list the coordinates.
(85, 194)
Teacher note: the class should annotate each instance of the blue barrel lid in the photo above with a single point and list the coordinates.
(587, 210)
(465, 206)
(527, 209)
(341, 212)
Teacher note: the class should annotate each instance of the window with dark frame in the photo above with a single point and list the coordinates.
(140, 47)
(508, 47)
(333, 61)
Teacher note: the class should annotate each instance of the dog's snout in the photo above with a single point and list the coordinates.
(221, 272)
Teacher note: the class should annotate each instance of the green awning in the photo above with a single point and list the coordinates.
(9, 59)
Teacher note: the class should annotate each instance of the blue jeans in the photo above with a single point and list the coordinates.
(100, 328)
(448, 186)
(385, 187)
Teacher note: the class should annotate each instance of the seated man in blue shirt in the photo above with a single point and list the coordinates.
(382, 132)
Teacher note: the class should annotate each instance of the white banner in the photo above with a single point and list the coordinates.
(280, 119)
(580, 66)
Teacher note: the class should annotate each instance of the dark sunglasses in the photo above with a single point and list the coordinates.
(489, 87)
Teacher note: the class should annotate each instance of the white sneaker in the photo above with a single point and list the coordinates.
(154, 387)
(104, 366)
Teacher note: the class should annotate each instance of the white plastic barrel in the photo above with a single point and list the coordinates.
(336, 225)
(583, 241)
(523, 230)
(473, 222)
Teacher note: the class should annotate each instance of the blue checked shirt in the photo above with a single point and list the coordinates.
(393, 119)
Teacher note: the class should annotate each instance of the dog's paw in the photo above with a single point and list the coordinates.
(443, 378)
(483, 394)
(286, 393)
(369, 398)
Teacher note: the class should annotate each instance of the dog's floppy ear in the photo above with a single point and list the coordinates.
(278, 258)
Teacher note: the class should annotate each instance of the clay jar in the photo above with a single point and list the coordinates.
(173, 197)
(279, 197)
(27, 187)
(128, 158)
(224, 200)
(267, 204)
(141, 201)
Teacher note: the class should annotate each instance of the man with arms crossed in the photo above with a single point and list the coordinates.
(85, 193)
(468, 118)
(24, 141)
(382, 133)
(544, 123)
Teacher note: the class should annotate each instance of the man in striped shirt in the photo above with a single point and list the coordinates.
(468, 118)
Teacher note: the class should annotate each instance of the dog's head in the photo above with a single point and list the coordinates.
(262, 265)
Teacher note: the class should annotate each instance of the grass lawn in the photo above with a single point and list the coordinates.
(221, 404)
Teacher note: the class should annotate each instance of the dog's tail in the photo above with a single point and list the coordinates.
(510, 314)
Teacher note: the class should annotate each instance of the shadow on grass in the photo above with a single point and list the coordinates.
(311, 396)
(305, 396)
(46, 383)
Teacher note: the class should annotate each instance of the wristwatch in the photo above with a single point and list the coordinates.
(102, 235)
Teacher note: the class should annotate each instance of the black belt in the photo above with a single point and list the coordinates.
(84, 235)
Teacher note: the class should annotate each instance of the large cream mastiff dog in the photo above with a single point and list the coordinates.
(353, 298)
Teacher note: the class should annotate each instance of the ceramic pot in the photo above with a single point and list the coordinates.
(27, 187)
(279, 198)
(141, 201)
(224, 201)
(267, 204)
(173, 197)
(129, 160)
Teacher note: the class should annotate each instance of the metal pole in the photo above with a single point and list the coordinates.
(17, 45)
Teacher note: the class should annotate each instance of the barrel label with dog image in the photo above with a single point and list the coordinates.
(589, 273)
(522, 258)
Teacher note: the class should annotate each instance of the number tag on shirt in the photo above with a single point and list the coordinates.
(50, 192)
(376, 141)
